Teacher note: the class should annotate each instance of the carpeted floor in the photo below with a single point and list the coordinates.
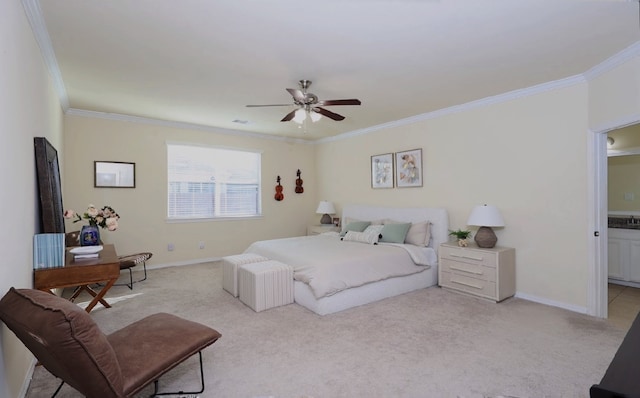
(428, 343)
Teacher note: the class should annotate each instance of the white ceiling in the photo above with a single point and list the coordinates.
(202, 61)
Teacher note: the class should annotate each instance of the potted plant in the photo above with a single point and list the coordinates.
(462, 236)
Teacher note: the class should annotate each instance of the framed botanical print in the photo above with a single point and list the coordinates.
(409, 168)
(382, 171)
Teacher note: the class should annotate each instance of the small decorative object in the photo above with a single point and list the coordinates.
(279, 195)
(485, 217)
(114, 174)
(409, 168)
(299, 188)
(382, 171)
(103, 218)
(325, 208)
(462, 237)
(336, 221)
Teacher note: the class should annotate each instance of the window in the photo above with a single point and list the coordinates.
(208, 182)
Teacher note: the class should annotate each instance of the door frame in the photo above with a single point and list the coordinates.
(597, 202)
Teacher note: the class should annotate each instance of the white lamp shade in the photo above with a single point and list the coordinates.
(326, 208)
(485, 216)
(315, 116)
(301, 114)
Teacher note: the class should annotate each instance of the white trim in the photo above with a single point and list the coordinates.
(552, 303)
(187, 262)
(597, 220)
(180, 125)
(622, 122)
(614, 61)
(34, 15)
(508, 96)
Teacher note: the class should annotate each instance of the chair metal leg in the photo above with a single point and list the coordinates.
(131, 281)
(58, 389)
(155, 384)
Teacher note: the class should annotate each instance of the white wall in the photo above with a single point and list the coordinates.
(143, 209)
(28, 108)
(513, 155)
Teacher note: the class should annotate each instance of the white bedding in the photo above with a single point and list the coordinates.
(372, 291)
(329, 265)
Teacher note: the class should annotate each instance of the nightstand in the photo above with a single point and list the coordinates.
(488, 273)
(321, 228)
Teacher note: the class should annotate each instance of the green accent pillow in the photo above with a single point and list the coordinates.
(356, 226)
(394, 233)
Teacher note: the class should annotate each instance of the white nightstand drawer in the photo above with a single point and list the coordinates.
(468, 255)
(470, 270)
(489, 273)
(467, 284)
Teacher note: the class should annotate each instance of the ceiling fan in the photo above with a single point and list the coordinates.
(308, 103)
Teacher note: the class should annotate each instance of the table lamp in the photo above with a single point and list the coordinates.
(325, 208)
(485, 217)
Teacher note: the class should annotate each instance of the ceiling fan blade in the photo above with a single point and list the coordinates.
(328, 114)
(297, 95)
(258, 106)
(289, 116)
(352, 101)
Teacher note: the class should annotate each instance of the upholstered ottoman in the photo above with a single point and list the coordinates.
(230, 269)
(265, 285)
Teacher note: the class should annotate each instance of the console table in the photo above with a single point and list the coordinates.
(81, 274)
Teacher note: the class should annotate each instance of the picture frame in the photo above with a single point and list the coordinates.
(336, 221)
(114, 174)
(382, 171)
(409, 168)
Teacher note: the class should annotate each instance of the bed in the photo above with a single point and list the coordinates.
(333, 271)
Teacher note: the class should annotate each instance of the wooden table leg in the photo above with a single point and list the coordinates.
(99, 295)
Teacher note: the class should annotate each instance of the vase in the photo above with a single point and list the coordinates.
(463, 243)
(89, 235)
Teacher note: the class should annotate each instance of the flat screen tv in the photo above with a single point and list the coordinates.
(49, 187)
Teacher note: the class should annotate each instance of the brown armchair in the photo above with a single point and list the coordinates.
(69, 344)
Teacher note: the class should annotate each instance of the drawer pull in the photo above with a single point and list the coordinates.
(453, 267)
(467, 284)
(468, 257)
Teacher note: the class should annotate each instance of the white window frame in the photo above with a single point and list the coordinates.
(215, 182)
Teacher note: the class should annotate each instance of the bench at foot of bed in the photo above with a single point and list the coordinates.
(230, 266)
(266, 284)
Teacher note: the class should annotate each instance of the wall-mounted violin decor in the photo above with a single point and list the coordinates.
(279, 195)
(299, 188)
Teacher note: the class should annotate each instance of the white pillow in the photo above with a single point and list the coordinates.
(370, 235)
(419, 234)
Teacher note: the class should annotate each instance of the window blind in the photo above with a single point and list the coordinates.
(210, 182)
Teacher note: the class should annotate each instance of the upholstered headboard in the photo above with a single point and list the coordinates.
(438, 217)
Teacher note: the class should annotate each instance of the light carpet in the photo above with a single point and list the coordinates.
(428, 343)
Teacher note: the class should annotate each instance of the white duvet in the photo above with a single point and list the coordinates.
(329, 265)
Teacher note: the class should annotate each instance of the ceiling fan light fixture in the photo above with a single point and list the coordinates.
(301, 114)
(315, 116)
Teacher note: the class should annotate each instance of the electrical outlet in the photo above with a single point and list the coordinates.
(170, 247)
(201, 244)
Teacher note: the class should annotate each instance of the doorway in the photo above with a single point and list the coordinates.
(597, 294)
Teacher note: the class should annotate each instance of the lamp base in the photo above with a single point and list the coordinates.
(326, 219)
(485, 237)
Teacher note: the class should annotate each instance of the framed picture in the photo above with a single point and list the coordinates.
(409, 168)
(336, 221)
(114, 175)
(382, 171)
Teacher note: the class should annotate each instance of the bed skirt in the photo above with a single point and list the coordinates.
(364, 294)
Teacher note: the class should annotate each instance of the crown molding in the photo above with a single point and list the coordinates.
(509, 96)
(34, 15)
(180, 125)
(614, 61)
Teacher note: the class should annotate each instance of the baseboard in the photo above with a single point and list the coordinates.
(27, 380)
(188, 262)
(552, 303)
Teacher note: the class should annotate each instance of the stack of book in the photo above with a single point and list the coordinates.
(48, 251)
